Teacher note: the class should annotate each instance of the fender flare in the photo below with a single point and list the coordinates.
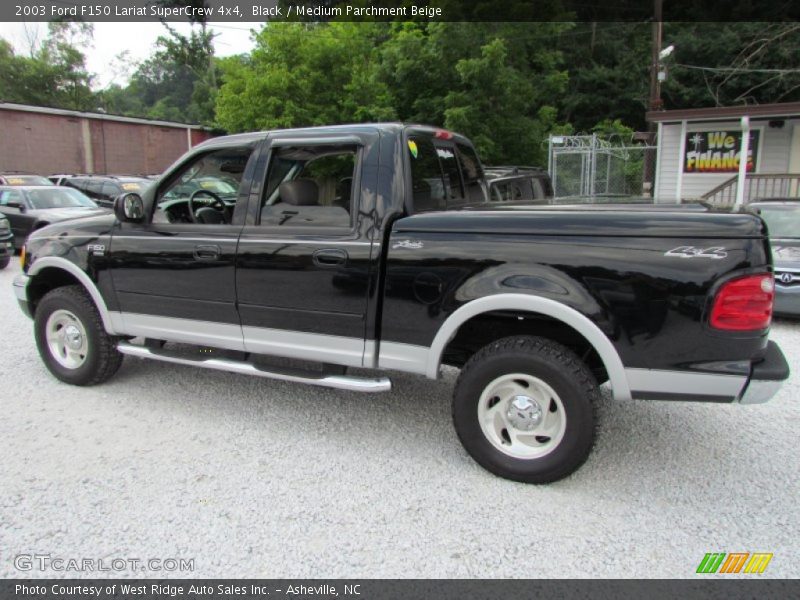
(533, 304)
(62, 263)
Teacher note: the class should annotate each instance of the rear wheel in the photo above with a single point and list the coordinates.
(523, 407)
(71, 338)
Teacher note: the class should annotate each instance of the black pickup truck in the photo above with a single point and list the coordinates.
(375, 246)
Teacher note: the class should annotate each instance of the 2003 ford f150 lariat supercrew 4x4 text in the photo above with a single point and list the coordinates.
(297, 254)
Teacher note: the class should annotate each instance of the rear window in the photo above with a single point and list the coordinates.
(472, 172)
(427, 184)
(452, 176)
(444, 174)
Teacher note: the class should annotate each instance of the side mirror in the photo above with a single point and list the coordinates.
(18, 205)
(129, 208)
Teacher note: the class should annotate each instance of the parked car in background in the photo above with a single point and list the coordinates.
(17, 178)
(103, 189)
(519, 184)
(782, 216)
(29, 208)
(6, 242)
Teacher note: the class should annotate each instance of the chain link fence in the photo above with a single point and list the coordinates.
(590, 166)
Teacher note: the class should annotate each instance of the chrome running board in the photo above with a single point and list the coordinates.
(341, 382)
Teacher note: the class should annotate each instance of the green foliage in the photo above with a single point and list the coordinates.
(495, 82)
(177, 83)
(506, 85)
(756, 63)
(305, 74)
(54, 74)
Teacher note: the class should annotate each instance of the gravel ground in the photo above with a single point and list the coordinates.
(257, 478)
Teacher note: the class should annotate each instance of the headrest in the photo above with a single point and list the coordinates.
(300, 192)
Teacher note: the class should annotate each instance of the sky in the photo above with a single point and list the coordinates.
(137, 38)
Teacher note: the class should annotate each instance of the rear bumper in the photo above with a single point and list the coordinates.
(766, 378)
(753, 384)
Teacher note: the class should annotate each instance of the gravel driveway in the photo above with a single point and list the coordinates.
(258, 478)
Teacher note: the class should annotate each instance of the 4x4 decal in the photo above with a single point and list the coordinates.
(715, 252)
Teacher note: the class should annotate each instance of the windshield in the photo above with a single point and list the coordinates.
(782, 221)
(59, 197)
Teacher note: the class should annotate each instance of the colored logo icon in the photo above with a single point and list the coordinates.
(734, 562)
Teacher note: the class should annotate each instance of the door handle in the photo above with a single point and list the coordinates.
(330, 257)
(207, 252)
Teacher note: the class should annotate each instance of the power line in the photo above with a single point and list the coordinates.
(737, 69)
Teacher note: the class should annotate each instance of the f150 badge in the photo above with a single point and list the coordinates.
(715, 252)
(410, 244)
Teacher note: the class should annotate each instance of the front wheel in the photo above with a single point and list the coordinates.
(4, 262)
(523, 408)
(71, 338)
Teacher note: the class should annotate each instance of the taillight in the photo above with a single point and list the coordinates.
(744, 304)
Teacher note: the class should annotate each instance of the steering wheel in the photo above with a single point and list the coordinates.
(218, 204)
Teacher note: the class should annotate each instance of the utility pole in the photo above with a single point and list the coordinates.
(654, 102)
(655, 66)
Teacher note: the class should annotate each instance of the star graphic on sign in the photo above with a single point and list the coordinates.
(696, 139)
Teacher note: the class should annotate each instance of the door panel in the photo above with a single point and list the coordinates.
(282, 286)
(303, 285)
(156, 271)
(176, 279)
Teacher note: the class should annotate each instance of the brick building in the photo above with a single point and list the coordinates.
(50, 140)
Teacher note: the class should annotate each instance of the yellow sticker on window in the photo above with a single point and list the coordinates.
(208, 185)
(131, 187)
(412, 145)
(15, 181)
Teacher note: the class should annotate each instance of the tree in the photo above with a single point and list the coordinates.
(54, 75)
(304, 74)
(724, 64)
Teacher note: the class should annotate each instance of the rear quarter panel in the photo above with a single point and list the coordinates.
(652, 306)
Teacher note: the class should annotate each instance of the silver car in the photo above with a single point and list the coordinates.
(782, 216)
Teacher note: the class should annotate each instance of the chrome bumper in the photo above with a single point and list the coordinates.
(759, 392)
(766, 378)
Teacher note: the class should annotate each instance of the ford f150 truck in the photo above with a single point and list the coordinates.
(375, 246)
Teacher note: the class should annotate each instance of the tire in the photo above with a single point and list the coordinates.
(549, 431)
(79, 351)
(4, 262)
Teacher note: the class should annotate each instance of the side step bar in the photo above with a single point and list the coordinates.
(341, 382)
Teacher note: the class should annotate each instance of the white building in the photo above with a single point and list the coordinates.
(699, 149)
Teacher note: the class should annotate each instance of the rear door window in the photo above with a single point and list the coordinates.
(310, 186)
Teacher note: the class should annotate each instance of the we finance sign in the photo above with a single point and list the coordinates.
(718, 151)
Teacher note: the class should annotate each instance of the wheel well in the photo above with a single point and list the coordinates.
(485, 328)
(46, 280)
